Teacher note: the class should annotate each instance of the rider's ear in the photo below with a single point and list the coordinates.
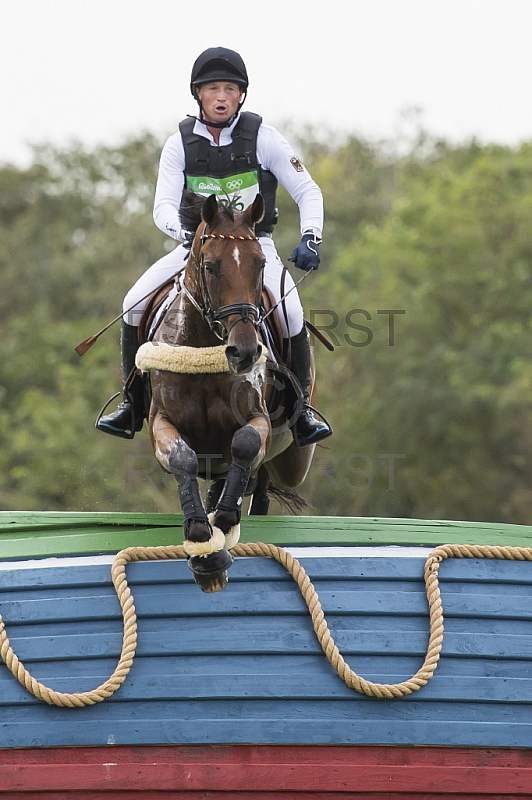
(255, 212)
(209, 212)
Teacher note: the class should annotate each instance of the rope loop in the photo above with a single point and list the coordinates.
(310, 596)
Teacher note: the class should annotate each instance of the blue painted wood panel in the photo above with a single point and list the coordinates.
(244, 665)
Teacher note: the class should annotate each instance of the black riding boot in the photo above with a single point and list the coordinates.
(307, 429)
(129, 416)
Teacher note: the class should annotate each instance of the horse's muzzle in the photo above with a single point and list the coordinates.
(241, 359)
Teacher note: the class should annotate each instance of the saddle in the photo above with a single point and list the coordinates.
(152, 308)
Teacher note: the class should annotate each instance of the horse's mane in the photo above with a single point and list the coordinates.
(190, 209)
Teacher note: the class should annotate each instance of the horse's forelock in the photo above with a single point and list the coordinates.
(191, 206)
(227, 211)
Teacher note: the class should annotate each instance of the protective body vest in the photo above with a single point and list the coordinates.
(231, 172)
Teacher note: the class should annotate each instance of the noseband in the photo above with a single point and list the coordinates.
(245, 312)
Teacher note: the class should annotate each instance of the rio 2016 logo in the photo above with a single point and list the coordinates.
(209, 187)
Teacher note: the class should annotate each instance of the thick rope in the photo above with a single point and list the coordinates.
(292, 565)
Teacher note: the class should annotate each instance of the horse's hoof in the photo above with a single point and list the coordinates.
(210, 572)
(208, 565)
(213, 583)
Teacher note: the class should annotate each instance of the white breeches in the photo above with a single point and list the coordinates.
(169, 264)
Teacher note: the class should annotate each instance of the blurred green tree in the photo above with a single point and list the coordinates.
(451, 393)
(425, 289)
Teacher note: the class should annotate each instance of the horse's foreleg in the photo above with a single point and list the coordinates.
(213, 495)
(248, 448)
(184, 466)
(260, 502)
(208, 558)
(178, 458)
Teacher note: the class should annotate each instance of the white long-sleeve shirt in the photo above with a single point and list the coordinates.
(274, 153)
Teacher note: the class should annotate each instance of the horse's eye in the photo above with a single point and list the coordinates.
(210, 268)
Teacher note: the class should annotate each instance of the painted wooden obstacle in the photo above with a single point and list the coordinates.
(230, 695)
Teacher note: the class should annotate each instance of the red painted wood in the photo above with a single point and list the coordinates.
(276, 772)
(272, 754)
(282, 777)
(260, 796)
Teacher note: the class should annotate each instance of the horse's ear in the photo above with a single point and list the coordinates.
(255, 212)
(209, 212)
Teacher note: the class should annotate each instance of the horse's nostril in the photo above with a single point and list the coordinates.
(232, 353)
(241, 360)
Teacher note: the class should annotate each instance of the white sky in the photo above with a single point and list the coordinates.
(100, 70)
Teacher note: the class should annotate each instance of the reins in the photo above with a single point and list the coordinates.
(213, 317)
(285, 295)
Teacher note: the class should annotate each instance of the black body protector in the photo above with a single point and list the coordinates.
(230, 172)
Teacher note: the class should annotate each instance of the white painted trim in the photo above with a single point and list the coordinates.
(383, 551)
(43, 563)
(391, 551)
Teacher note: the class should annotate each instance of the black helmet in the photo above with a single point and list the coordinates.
(218, 64)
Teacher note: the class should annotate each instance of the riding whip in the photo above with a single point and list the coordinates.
(82, 348)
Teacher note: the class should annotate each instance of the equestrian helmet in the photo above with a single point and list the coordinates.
(218, 64)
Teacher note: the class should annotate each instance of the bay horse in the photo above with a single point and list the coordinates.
(211, 385)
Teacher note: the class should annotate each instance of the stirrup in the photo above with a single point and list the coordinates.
(123, 434)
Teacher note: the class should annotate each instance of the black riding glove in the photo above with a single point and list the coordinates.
(189, 238)
(305, 255)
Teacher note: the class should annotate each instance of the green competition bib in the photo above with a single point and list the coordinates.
(236, 191)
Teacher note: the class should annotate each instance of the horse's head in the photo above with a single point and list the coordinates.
(230, 263)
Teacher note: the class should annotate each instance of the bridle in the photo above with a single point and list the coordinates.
(245, 312)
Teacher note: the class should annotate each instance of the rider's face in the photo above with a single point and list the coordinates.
(219, 100)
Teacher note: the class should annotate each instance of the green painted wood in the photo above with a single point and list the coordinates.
(54, 519)
(37, 534)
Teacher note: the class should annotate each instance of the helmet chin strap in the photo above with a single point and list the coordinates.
(227, 124)
(202, 119)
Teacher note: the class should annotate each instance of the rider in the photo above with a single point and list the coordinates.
(230, 153)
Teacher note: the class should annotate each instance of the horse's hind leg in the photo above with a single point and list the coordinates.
(289, 469)
(260, 502)
(213, 495)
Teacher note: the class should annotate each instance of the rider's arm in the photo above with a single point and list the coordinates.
(169, 189)
(277, 155)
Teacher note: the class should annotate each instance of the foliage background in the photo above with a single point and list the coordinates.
(432, 416)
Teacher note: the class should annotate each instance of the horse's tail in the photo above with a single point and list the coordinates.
(291, 501)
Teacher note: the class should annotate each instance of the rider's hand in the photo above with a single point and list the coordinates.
(188, 238)
(306, 255)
